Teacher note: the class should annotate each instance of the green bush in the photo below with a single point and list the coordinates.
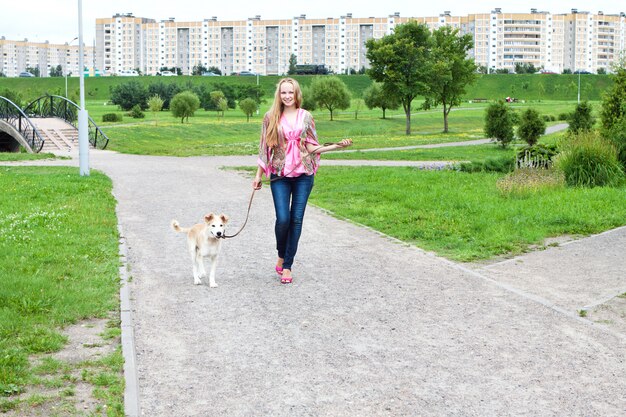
(617, 136)
(581, 118)
(563, 116)
(136, 112)
(502, 164)
(129, 94)
(536, 156)
(112, 117)
(531, 126)
(499, 121)
(588, 160)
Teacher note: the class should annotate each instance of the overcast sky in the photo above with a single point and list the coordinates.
(57, 20)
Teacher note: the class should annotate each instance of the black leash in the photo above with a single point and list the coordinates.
(272, 180)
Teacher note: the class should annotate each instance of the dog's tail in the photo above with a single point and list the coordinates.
(178, 228)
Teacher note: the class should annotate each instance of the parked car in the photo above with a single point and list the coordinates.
(210, 74)
(26, 74)
(128, 73)
(168, 74)
(246, 73)
(581, 72)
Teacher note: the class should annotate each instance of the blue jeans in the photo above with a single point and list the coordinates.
(290, 196)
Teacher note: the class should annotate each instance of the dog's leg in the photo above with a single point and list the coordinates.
(195, 257)
(212, 283)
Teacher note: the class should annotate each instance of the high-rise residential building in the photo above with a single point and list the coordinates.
(556, 42)
(18, 56)
(576, 41)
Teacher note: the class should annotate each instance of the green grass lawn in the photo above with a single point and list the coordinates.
(475, 153)
(463, 216)
(23, 156)
(208, 134)
(58, 265)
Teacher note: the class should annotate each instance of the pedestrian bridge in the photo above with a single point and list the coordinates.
(47, 124)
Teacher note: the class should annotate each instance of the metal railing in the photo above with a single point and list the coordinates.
(61, 107)
(16, 117)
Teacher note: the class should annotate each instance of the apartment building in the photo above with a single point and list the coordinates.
(578, 40)
(17, 56)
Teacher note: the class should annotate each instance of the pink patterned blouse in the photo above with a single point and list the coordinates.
(290, 158)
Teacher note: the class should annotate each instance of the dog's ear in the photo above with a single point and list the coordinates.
(224, 218)
(209, 217)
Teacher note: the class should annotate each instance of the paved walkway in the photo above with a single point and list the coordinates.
(370, 326)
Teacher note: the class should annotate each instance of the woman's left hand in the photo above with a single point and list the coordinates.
(345, 143)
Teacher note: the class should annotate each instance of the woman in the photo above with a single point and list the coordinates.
(289, 156)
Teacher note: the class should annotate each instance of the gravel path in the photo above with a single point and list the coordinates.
(370, 326)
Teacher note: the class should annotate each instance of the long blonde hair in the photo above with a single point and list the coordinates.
(271, 135)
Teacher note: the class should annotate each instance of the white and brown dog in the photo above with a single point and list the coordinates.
(204, 240)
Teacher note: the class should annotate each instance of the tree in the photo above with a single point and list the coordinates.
(499, 123)
(184, 105)
(401, 62)
(198, 69)
(452, 71)
(375, 97)
(531, 126)
(56, 71)
(614, 99)
(155, 104)
(331, 93)
(222, 106)
(293, 61)
(34, 71)
(581, 120)
(255, 92)
(215, 70)
(164, 90)
(217, 97)
(613, 113)
(358, 105)
(307, 99)
(129, 94)
(248, 106)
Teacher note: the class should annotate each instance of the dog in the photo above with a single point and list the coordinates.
(204, 240)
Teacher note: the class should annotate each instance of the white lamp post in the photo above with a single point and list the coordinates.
(83, 117)
(68, 44)
(578, 86)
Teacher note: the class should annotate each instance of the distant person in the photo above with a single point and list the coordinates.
(289, 156)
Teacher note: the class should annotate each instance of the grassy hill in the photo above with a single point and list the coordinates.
(491, 87)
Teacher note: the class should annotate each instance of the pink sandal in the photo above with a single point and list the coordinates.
(279, 270)
(286, 280)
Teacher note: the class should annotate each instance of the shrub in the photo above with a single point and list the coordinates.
(129, 94)
(617, 136)
(499, 123)
(531, 127)
(184, 105)
(581, 119)
(502, 164)
(112, 117)
(136, 112)
(563, 116)
(14, 96)
(588, 160)
(164, 91)
(526, 182)
(536, 156)
(248, 106)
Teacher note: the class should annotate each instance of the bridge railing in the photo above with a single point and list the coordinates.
(61, 107)
(16, 117)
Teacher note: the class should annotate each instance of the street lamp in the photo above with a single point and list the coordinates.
(83, 116)
(68, 44)
(578, 86)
